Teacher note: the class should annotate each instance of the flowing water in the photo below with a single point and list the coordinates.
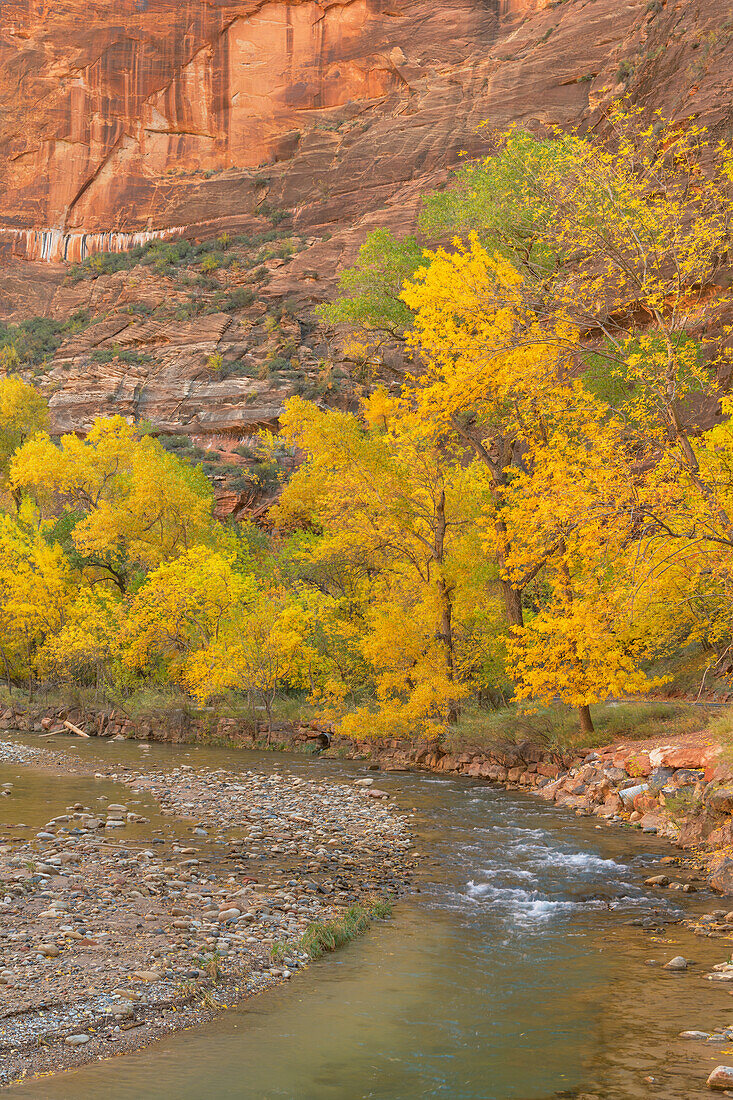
(512, 973)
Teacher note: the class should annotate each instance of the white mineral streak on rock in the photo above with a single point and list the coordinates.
(56, 246)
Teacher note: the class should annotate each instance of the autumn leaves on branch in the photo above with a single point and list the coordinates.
(542, 508)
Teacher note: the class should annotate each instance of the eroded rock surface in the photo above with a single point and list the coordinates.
(167, 119)
(165, 116)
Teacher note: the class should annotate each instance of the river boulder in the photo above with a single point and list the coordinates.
(721, 1078)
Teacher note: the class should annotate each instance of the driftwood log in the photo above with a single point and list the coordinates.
(75, 729)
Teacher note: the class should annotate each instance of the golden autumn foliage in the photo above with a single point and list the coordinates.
(36, 588)
(132, 504)
(387, 498)
(23, 413)
(536, 510)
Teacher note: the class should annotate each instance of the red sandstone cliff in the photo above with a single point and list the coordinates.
(132, 116)
(126, 118)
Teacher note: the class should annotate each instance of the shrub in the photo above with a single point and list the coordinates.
(239, 298)
(175, 442)
(211, 262)
(265, 474)
(245, 450)
(34, 341)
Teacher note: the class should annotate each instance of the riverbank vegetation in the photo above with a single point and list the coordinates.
(555, 726)
(540, 511)
(324, 936)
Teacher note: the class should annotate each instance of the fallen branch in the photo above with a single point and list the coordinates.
(75, 729)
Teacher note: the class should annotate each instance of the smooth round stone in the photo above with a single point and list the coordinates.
(230, 914)
(677, 963)
(721, 1078)
(76, 1040)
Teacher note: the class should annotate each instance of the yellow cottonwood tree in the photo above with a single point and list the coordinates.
(127, 504)
(261, 647)
(622, 244)
(87, 647)
(488, 364)
(568, 508)
(180, 611)
(36, 588)
(684, 558)
(383, 488)
(23, 413)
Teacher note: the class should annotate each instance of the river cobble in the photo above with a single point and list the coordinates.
(106, 943)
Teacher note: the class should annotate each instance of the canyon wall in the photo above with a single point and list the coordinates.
(126, 120)
(140, 116)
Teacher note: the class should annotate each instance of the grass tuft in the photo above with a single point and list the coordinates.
(321, 937)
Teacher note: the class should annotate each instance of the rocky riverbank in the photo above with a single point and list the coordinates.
(682, 790)
(114, 931)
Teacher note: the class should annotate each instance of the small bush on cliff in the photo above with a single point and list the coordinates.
(34, 341)
(240, 298)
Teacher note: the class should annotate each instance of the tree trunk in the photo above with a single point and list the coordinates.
(586, 722)
(8, 679)
(498, 470)
(512, 596)
(446, 636)
(268, 710)
(446, 601)
(512, 604)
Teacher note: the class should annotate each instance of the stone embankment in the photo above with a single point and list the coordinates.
(176, 726)
(682, 791)
(118, 926)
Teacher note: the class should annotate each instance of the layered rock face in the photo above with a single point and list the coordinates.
(126, 120)
(127, 117)
(118, 126)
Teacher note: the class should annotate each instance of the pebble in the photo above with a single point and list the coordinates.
(720, 976)
(116, 931)
(230, 914)
(677, 963)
